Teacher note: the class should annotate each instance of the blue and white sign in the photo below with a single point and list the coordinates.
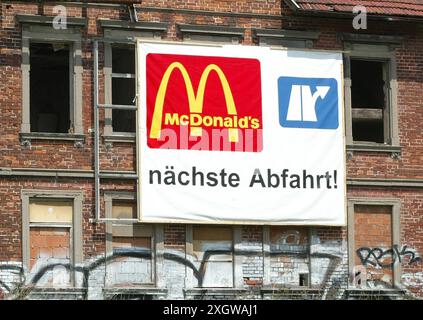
(308, 102)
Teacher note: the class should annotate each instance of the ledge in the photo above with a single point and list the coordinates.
(50, 293)
(370, 38)
(42, 172)
(130, 175)
(385, 182)
(375, 290)
(48, 20)
(286, 34)
(374, 293)
(211, 30)
(374, 148)
(215, 291)
(290, 291)
(150, 291)
(65, 173)
(26, 138)
(136, 26)
(51, 136)
(131, 138)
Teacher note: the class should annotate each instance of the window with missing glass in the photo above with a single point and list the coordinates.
(51, 78)
(370, 100)
(370, 95)
(123, 86)
(50, 87)
(120, 38)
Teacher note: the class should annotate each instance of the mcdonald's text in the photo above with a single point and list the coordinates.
(195, 119)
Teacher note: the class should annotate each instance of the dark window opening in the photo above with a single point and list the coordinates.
(123, 59)
(303, 280)
(123, 92)
(368, 101)
(123, 87)
(49, 87)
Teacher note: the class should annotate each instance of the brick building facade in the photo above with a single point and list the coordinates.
(51, 244)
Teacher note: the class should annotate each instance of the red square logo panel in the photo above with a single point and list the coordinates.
(204, 103)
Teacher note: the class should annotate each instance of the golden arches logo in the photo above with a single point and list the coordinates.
(195, 100)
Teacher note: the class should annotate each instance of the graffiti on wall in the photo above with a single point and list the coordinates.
(87, 269)
(386, 258)
(330, 278)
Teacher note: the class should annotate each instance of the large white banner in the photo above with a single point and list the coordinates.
(240, 134)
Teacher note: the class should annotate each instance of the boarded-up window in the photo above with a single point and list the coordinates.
(373, 243)
(124, 209)
(51, 211)
(212, 250)
(50, 241)
(289, 262)
(132, 247)
(131, 242)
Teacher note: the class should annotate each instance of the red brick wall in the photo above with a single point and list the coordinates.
(373, 229)
(174, 235)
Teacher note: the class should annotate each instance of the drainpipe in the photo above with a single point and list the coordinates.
(96, 138)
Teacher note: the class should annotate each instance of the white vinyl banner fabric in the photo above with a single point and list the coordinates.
(240, 134)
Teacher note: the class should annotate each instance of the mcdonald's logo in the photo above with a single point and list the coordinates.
(205, 103)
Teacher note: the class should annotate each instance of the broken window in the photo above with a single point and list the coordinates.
(212, 251)
(369, 101)
(50, 224)
(132, 248)
(50, 87)
(123, 87)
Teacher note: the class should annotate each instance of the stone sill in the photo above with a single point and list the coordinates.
(51, 292)
(136, 291)
(214, 291)
(370, 293)
(125, 138)
(58, 289)
(290, 292)
(374, 147)
(374, 290)
(27, 137)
